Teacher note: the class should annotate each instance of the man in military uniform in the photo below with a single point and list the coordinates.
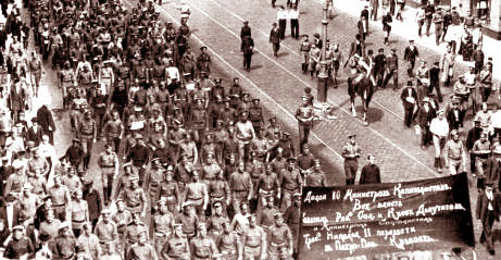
(106, 229)
(108, 164)
(291, 181)
(65, 243)
(61, 199)
(176, 247)
(304, 116)
(139, 155)
(217, 220)
(141, 250)
(189, 220)
(204, 61)
(265, 217)
(87, 133)
(280, 237)
(228, 243)
(219, 190)
(391, 69)
(198, 120)
(114, 131)
(256, 115)
(162, 225)
(292, 217)
(134, 197)
(268, 186)
(20, 246)
(134, 230)
(241, 186)
(244, 134)
(122, 219)
(156, 128)
(351, 153)
(254, 241)
(316, 177)
(196, 194)
(202, 246)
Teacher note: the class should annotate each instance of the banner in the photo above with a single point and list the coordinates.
(367, 220)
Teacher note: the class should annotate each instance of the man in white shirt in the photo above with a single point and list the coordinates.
(294, 22)
(282, 16)
(439, 127)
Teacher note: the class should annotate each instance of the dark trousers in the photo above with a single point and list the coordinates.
(410, 70)
(408, 115)
(247, 61)
(444, 31)
(436, 86)
(391, 74)
(282, 25)
(273, 3)
(420, 27)
(276, 48)
(304, 133)
(428, 26)
(486, 92)
(350, 170)
(438, 33)
(478, 66)
(473, 164)
(426, 138)
(486, 235)
(295, 28)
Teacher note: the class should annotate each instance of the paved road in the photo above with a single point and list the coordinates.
(217, 23)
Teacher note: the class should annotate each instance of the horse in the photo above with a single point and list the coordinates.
(364, 88)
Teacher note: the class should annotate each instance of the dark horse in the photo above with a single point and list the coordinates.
(364, 88)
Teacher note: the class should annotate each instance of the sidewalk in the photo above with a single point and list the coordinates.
(408, 30)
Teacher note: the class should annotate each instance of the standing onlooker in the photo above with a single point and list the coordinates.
(370, 172)
(294, 22)
(409, 101)
(275, 39)
(248, 50)
(439, 127)
(410, 55)
(282, 16)
(351, 153)
(454, 154)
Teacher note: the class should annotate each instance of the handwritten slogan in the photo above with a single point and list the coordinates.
(346, 221)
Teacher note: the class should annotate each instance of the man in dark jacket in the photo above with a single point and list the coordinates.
(435, 81)
(248, 50)
(379, 67)
(487, 212)
(410, 55)
(370, 172)
(46, 121)
(275, 39)
(74, 154)
(471, 138)
(409, 101)
(425, 114)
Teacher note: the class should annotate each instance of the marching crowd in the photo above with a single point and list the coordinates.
(190, 168)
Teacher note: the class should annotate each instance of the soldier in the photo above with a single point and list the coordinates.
(196, 194)
(316, 178)
(155, 177)
(134, 197)
(135, 230)
(87, 133)
(455, 155)
(189, 220)
(280, 237)
(351, 153)
(65, 243)
(228, 243)
(244, 134)
(198, 120)
(109, 252)
(99, 104)
(204, 61)
(16, 180)
(66, 81)
(79, 212)
(304, 49)
(482, 150)
(157, 128)
(265, 218)
(38, 165)
(248, 50)
(275, 39)
(241, 186)
(177, 246)
(141, 250)
(291, 182)
(286, 144)
(292, 217)
(139, 155)
(304, 115)
(210, 149)
(254, 241)
(61, 199)
(124, 179)
(19, 246)
(219, 190)
(122, 218)
(114, 131)
(88, 242)
(217, 219)
(256, 115)
(106, 229)
(162, 225)
(268, 186)
(108, 164)
(202, 246)
(169, 190)
(35, 66)
(438, 20)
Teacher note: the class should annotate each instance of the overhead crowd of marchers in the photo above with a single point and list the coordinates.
(190, 168)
